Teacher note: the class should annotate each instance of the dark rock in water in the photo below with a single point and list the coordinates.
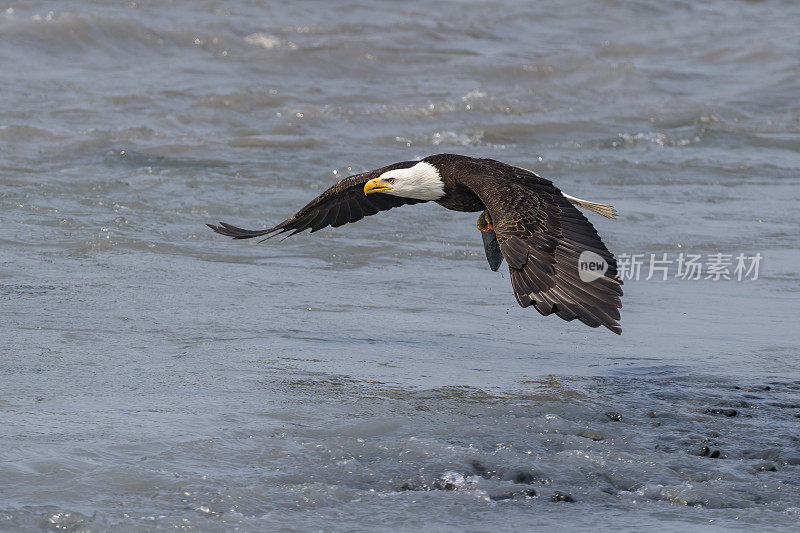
(726, 412)
(613, 416)
(410, 486)
(444, 484)
(592, 435)
(562, 497)
(705, 451)
(768, 454)
(748, 389)
(522, 493)
(481, 470)
(486, 472)
(524, 477)
(695, 503)
(766, 467)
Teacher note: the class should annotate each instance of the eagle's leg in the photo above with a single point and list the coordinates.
(493, 255)
(485, 222)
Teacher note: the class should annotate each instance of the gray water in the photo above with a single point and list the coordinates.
(156, 376)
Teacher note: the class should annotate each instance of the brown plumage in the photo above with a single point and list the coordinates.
(539, 232)
(343, 203)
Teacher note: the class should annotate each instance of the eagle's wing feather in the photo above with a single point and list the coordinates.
(541, 235)
(343, 203)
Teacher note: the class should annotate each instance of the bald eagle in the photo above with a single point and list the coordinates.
(525, 219)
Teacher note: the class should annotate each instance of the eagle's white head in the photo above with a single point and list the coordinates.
(421, 182)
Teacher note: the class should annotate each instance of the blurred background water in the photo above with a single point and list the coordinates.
(379, 375)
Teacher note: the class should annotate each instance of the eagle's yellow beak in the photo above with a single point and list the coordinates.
(375, 185)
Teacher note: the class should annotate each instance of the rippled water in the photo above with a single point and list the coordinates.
(158, 376)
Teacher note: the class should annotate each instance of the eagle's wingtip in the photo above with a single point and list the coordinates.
(227, 230)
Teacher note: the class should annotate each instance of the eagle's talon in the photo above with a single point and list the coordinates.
(485, 222)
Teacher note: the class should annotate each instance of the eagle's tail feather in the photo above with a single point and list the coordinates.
(607, 211)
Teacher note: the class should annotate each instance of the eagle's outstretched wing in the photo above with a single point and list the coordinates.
(542, 235)
(343, 203)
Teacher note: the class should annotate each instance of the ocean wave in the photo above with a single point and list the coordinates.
(56, 34)
(59, 33)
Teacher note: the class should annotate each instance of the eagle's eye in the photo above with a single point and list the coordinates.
(390, 181)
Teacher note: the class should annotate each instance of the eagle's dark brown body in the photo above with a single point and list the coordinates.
(540, 234)
(458, 196)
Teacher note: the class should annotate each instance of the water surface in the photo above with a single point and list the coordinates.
(158, 376)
